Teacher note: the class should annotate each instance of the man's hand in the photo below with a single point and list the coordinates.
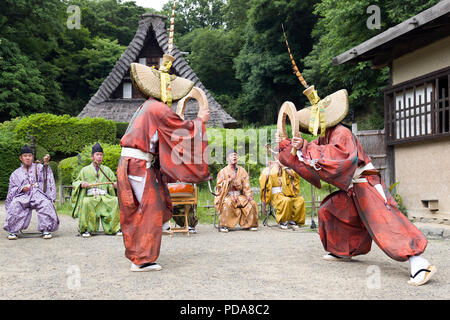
(26, 188)
(297, 142)
(204, 115)
(84, 184)
(46, 159)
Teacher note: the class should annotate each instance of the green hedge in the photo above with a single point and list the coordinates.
(10, 146)
(121, 129)
(65, 169)
(9, 160)
(64, 133)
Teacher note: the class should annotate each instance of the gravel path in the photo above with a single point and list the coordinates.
(267, 264)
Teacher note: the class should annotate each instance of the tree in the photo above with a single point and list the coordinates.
(110, 19)
(263, 65)
(211, 54)
(195, 14)
(21, 83)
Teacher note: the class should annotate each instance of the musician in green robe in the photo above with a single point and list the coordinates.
(94, 191)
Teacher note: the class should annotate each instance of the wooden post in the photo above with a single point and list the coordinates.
(61, 195)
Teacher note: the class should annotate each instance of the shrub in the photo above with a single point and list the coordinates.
(64, 133)
(54, 167)
(121, 129)
(10, 146)
(65, 169)
(9, 160)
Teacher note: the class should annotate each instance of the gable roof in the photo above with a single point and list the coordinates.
(424, 28)
(121, 110)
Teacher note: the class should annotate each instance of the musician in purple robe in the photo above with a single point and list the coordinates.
(32, 186)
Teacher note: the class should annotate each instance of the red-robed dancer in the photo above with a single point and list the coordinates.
(157, 147)
(362, 209)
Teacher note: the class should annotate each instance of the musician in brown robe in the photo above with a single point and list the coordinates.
(234, 201)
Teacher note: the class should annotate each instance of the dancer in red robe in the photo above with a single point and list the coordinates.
(158, 147)
(362, 209)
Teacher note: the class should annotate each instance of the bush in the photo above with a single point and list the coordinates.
(9, 161)
(121, 129)
(64, 133)
(10, 146)
(54, 167)
(65, 169)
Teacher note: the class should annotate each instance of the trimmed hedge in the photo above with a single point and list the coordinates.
(64, 133)
(10, 147)
(121, 129)
(9, 160)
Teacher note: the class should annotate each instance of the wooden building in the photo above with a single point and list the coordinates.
(117, 99)
(416, 107)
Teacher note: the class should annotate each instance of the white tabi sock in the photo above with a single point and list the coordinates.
(417, 263)
(166, 226)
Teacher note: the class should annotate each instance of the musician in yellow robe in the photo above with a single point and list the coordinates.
(234, 201)
(280, 186)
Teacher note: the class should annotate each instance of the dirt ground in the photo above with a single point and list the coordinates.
(266, 264)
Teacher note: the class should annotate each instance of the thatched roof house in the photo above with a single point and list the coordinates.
(117, 99)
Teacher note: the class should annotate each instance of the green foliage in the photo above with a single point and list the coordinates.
(65, 134)
(21, 83)
(211, 56)
(84, 64)
(54, 166)
(65, 169)
(47, 67)
(121, 129)
(263, 65)
(110, 19)
(10, 146)
(398, 198)
(195, 14)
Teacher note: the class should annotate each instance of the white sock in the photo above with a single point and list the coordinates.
(417, 263)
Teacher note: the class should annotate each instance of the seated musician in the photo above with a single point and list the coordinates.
(96, 198)
(234, 201)
(32, 186)
(280, 186)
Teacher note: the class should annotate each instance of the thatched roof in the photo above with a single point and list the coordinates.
(121, 110)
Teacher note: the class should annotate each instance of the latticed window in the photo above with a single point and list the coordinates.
(418, 109)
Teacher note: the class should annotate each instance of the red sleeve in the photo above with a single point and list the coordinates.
(337, 159)
(291, 161)
(182, 147)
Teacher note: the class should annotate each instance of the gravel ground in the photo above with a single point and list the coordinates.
(267, 264)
